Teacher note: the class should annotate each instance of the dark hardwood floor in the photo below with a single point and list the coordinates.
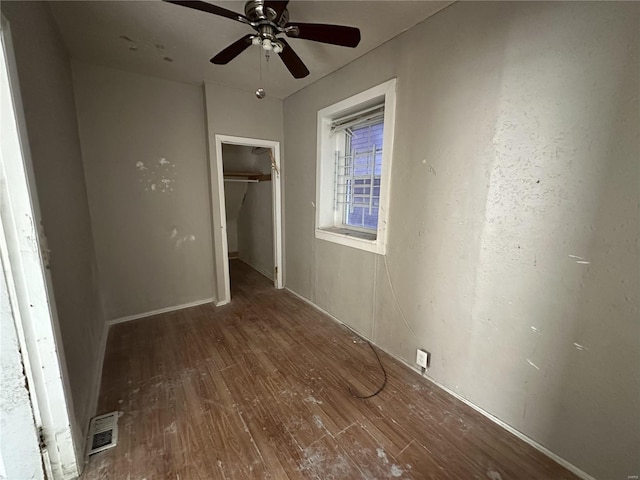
(259, 389)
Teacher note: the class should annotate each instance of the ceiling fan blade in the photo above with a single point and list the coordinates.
(232, 51)
(292, 61)
(276, 6)
(319, 32)
(209, 8)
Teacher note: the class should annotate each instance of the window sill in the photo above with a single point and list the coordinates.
(351, 238)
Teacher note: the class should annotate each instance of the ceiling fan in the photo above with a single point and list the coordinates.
(270, 19)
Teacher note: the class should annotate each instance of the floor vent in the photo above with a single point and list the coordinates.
(103, 432)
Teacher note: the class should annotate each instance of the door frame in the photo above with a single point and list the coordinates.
(221, 255)
(24, 258)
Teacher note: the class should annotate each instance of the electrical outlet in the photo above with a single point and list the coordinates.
(423, 358)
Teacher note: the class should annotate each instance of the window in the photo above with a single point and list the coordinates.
(355, 141)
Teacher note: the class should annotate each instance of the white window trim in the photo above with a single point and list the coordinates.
(324, 180)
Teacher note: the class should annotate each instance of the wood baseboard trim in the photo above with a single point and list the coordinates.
(138, 316)
(556, 458)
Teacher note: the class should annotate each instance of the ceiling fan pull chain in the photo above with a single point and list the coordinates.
(260, 93)
(260, 63)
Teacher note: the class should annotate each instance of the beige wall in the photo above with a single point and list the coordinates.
(234, 193)
(513, 242)
(236, 113)
(47, 94)
(144, 150)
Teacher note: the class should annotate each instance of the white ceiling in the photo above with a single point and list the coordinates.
(136, 36)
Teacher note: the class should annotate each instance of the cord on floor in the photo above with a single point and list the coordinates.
(384, 372)
(384, 383)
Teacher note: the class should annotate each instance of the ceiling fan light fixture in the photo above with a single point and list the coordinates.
(270, 18)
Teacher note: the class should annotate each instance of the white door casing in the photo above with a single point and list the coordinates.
(221, 254)
(28, 281)
(20, 455)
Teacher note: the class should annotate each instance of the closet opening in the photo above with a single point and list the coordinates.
(250, 210)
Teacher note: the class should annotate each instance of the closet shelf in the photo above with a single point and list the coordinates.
(249, 177)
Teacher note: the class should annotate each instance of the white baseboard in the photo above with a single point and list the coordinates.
(336, 319)
(158, 312)
(566, 464)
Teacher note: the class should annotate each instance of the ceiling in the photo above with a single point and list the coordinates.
(173, 42)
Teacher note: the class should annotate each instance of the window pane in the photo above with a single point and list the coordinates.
(364, 158)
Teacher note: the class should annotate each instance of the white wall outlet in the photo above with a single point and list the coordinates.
(423, 358)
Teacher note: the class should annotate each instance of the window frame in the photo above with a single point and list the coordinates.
(329, 224)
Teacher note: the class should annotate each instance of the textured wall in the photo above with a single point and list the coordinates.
(513, 242)
(47, 93)
(144, 151)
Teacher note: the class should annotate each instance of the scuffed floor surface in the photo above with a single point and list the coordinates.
(260, 389)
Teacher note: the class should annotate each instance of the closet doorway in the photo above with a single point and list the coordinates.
(248, 173)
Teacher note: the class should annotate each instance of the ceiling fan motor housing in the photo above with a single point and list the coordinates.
(256, 11)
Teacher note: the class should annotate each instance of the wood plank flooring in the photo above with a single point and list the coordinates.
(259, 389)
